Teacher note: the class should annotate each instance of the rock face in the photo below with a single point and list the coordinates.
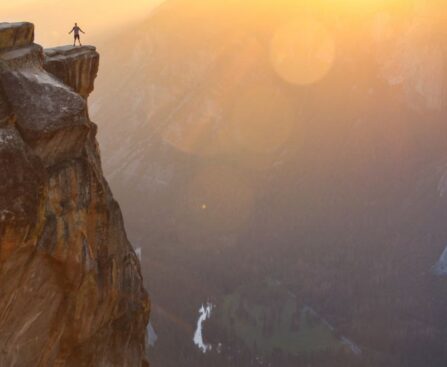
(16, 35)
(71, 290)
(76, 67)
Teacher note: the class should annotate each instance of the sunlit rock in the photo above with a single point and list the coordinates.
(75, 66)
(16, 34)
(71, 291)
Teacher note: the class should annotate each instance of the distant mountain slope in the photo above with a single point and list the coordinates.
(332, 187)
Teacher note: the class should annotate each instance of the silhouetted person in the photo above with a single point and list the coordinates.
(77, 36)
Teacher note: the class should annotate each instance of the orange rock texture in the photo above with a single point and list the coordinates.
(71, 291)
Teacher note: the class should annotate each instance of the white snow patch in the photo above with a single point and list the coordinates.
(441, 266)
(4, 138)
(205, 314)
(152, 335)
(351, 345)
(138, 252)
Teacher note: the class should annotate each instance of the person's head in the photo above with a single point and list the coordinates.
(76, 24)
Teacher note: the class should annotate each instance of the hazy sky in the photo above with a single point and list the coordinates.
(54, 18)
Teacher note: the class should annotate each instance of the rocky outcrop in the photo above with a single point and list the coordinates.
(75, 66)
(71, 290)
(16, 35)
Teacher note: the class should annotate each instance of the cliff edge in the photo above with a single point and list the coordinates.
(71, 291)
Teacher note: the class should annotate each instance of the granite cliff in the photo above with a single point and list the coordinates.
(71, 290)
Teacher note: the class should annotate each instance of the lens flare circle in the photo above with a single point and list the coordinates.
(302, 52)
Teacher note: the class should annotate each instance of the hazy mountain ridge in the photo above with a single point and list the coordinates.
(340, 203)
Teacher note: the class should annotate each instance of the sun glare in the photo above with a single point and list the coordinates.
(302, 52)
(53, 18)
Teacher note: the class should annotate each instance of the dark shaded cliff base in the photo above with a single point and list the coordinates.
(71, 290)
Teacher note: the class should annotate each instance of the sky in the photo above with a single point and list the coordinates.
(53, 19)
(98, 18)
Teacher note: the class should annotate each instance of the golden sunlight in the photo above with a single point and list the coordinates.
(54, 18)
(220, 199)
(262, 120)
(302, 52)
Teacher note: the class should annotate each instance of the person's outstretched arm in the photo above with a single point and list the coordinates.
(81, 30)
(71, 31)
